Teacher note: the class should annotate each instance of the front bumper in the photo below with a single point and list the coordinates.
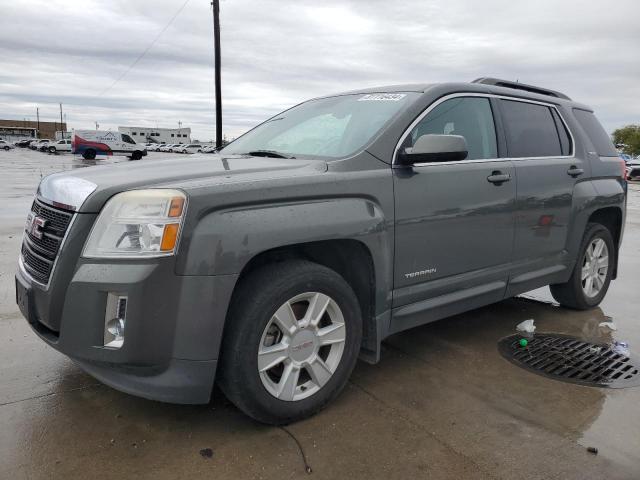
(173, 331)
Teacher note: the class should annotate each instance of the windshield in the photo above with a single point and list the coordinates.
(327, 127)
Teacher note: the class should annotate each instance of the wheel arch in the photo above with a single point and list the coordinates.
(611, 218)
(350, 258)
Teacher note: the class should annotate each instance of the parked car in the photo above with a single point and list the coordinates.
(43, 145)
(23, 143)
(152, 147)
(4, 145)
(59, 146)
(168, 147)
(189, 148)
(633, 169)
(210, 149)
(272, 266)
(90, 143)
(40, 144)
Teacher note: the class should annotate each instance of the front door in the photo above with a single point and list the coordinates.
(454, 226)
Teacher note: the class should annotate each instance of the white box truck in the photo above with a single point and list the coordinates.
(90, 143)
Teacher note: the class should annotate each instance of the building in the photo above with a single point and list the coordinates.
(158, 135)
(13, 130)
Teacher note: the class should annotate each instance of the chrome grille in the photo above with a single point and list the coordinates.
(39, 252)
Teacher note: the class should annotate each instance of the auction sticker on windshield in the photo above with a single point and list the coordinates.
(382, 97)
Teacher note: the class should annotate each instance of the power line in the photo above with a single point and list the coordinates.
(146, 50)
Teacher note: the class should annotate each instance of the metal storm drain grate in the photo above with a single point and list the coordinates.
(569, 359)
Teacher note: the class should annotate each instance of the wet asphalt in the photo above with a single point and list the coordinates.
(442, 403)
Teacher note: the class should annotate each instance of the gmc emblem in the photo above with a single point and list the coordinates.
(35, 225)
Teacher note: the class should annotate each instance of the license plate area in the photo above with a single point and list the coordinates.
(23, 299)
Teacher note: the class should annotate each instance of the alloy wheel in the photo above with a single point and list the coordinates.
(595, 266)
(301, 346)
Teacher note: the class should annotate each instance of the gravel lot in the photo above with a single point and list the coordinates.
(442, 403)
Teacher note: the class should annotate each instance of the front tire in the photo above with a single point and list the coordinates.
(592, 272)
(292, 340)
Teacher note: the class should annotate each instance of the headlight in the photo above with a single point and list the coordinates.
(138, 223)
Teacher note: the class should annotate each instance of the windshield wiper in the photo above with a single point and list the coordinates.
(268, 153)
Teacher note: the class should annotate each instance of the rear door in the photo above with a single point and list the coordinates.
(547, 169)
(454, 220)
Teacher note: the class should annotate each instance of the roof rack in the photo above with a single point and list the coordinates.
(520, 86)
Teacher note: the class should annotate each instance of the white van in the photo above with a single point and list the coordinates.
(90, 143)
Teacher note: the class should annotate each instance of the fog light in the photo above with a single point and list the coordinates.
(114, 320)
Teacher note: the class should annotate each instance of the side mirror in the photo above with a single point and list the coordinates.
(434, 148)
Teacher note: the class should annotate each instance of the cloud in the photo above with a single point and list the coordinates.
(277, 53)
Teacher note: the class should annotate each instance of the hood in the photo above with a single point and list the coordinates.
(87, 189)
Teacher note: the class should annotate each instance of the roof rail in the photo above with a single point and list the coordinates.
(520, 86)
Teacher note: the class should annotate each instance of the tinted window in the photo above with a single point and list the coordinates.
(126, 138)
(565, 141)
(531, 130)
(470, 117)
(599, 138)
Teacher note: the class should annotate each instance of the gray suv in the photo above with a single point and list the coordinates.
(273, 265)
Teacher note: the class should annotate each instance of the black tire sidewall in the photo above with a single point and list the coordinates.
(252, 318)
(593, 231)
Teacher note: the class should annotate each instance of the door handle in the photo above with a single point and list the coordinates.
(575, 171)
(498, 178)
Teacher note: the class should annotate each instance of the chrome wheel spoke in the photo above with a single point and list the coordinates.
(286, 319)
(317, 308)
(597, 282)
(589, 253)
(269, 357)
(319, 372)
(288, 382)
(588, 286)
(334, 333)
(598, 246)
(603, 262)
(586, 271)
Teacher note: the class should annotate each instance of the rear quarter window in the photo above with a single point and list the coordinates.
(599, 138)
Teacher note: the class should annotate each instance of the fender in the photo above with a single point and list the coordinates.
(224, 241)
(588, 197)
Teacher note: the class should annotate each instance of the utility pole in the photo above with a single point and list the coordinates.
(38, 122)
(61, 123)
(216, 40)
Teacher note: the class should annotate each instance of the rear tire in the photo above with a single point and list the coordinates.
(7, 148)
(589, 280)
(52, 149)
(89, 154)
(322, 364)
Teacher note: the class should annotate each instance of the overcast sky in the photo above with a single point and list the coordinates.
(279, 52)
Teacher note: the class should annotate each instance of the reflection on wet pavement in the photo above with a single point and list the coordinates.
(442, 403)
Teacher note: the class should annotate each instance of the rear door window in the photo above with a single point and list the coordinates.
(531, 130)
(599, 138)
